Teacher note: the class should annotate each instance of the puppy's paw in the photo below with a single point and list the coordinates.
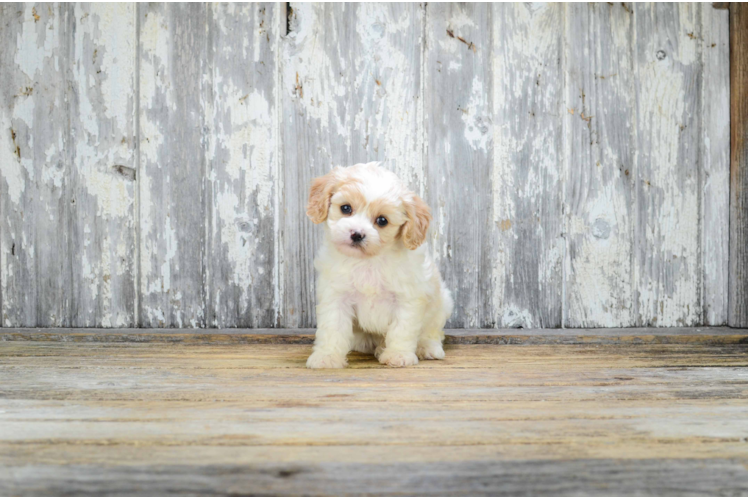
(320, 360)
(431, 349)
(398, 358)
(378, 351)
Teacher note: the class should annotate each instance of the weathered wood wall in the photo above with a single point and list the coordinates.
(155, 158)
(738, 288)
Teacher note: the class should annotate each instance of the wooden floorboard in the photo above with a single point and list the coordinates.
(503, 336)
(202, 418)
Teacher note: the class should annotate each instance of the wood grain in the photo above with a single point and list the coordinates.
(103, 171)
(120, 418)
(600, 149)
(738, 301)
(715, 164)
(156, 161)
(243, 164)
(350, 94)
(527, 195)
(458, 117)
(172, 164)
(667, 177)
(36, 165)
(513, 336)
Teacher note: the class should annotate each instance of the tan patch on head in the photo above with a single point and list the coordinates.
(319, 196)
(338, 180)
(391, 211)
(419, 218)
(347, 192)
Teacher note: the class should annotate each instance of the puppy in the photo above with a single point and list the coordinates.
(378, 291)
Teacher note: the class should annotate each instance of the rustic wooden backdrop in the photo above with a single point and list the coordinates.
(156, 158)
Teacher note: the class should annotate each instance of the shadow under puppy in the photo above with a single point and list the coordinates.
(378, 291)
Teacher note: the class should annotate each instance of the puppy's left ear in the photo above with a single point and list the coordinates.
(419, 217)
(319, 196)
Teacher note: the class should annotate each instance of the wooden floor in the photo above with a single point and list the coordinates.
(93, 417)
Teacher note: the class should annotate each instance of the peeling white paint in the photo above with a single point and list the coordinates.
(12, 171)
(357, 93)
(158, 237)
(115, 22)
(715, 159)
(36, 42)
(478, 128)
(312, 78)
(240, 247)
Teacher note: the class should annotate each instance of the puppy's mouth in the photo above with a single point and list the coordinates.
(353, 248)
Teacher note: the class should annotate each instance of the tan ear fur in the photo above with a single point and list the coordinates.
(319, 197)
(419, 217)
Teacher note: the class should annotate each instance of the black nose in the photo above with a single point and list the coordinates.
(357, 237)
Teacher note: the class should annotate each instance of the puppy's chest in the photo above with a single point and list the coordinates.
(373, 302)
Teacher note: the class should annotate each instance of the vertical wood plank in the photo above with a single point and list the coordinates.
(243, 164)
(103, 175)
(600, 145)
(35, 191)
(458, 108)
(527, 164)
(715, 164)
(668, 76)
(738, 303)
(172, 216)
(350, 93)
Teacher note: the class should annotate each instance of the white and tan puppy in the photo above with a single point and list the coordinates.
(378, 291)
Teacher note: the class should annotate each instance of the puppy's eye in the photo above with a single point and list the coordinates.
(381, 221)
(346, 209)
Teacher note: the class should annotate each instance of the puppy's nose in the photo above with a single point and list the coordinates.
(357, 237)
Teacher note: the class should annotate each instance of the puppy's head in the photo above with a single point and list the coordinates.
(367, 209)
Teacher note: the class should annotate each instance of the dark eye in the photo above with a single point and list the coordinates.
(346, 209)
(381, 221)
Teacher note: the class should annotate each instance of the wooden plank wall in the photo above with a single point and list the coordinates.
(155, 159)
(738, 304)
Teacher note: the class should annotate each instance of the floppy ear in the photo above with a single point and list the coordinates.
(419, 217)
(319, 197)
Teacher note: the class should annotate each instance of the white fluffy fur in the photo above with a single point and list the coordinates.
(380, 298)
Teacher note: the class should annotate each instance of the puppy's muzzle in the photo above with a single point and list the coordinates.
(357, 238)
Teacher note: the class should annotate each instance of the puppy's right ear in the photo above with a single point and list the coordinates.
(319, 196)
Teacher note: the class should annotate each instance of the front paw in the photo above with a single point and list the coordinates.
(378, 351)
(398, 358)
(319, 360)
(431, 349)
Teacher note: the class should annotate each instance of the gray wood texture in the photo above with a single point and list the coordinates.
(173, 78)
(738, 282)
(458, 114)
(351, 91)
(102, 173)
(715, 164)
(719, 335)
(204, 419)
(37, 191)
(243, 164)
(528, 164)
(600, 151)
(155, 159)
(666, 173)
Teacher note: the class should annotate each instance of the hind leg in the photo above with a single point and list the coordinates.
(430, 340)
(432, 335)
